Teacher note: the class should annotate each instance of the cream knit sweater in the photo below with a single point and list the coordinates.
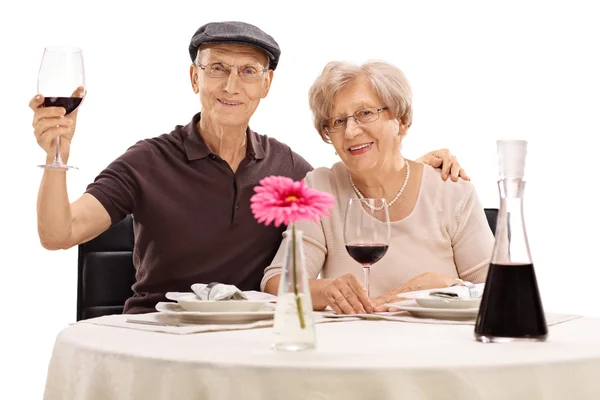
(447, 232)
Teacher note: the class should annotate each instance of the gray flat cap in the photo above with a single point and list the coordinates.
(235, 32)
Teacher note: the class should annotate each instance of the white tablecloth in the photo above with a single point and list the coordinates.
(353, 360)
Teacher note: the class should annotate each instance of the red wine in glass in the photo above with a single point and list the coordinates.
(61, 75)
(68, 103)
(367, 254)
(367, 232)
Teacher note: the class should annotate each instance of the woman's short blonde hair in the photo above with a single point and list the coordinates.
(389, 83)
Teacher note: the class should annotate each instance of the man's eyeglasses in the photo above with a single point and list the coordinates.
(363, 116)
(247, 73)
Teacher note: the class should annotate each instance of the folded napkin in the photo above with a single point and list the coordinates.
(217, 291)
(462, 290)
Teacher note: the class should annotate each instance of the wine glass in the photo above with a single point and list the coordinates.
(60, 76)
(367, 232)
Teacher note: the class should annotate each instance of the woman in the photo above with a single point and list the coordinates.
(439, 232)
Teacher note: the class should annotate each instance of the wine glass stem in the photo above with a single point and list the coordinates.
(57, 157)
(367, 271)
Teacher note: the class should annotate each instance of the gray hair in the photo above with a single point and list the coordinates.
(388, 82)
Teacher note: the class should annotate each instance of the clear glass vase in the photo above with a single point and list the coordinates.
(294, 327)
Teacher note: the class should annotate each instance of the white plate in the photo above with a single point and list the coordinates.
(439, 313)
(191, 302)
(213, 317)
(433, 302)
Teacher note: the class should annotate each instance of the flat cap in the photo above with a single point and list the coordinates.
(235, 32)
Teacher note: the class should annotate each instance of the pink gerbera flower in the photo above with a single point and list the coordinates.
(282, 200)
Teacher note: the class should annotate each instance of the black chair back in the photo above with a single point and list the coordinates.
(106, 272)
(492, 217)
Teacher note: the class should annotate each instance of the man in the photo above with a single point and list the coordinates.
(189, 190)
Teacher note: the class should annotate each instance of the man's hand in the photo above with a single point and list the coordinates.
(51, 122)
(449, 164)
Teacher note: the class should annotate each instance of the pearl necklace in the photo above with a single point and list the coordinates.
(391, 203)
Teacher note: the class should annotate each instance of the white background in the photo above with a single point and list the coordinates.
(480, 71)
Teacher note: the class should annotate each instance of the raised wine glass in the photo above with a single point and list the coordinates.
(60, 76)
(367, 232)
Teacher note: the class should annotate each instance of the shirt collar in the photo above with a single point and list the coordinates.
(195, 147)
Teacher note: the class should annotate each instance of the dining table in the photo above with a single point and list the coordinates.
(390, 355)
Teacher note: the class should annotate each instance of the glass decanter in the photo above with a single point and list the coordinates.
(511, 308)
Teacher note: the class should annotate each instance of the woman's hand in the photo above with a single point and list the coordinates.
(424, 281)
(444, 159)
(346, 295)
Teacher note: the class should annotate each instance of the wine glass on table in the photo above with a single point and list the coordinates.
(60, 77)
(367, 232)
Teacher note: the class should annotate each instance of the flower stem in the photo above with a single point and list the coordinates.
(298, 299)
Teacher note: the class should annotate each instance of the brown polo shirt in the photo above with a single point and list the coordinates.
(192, 217)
